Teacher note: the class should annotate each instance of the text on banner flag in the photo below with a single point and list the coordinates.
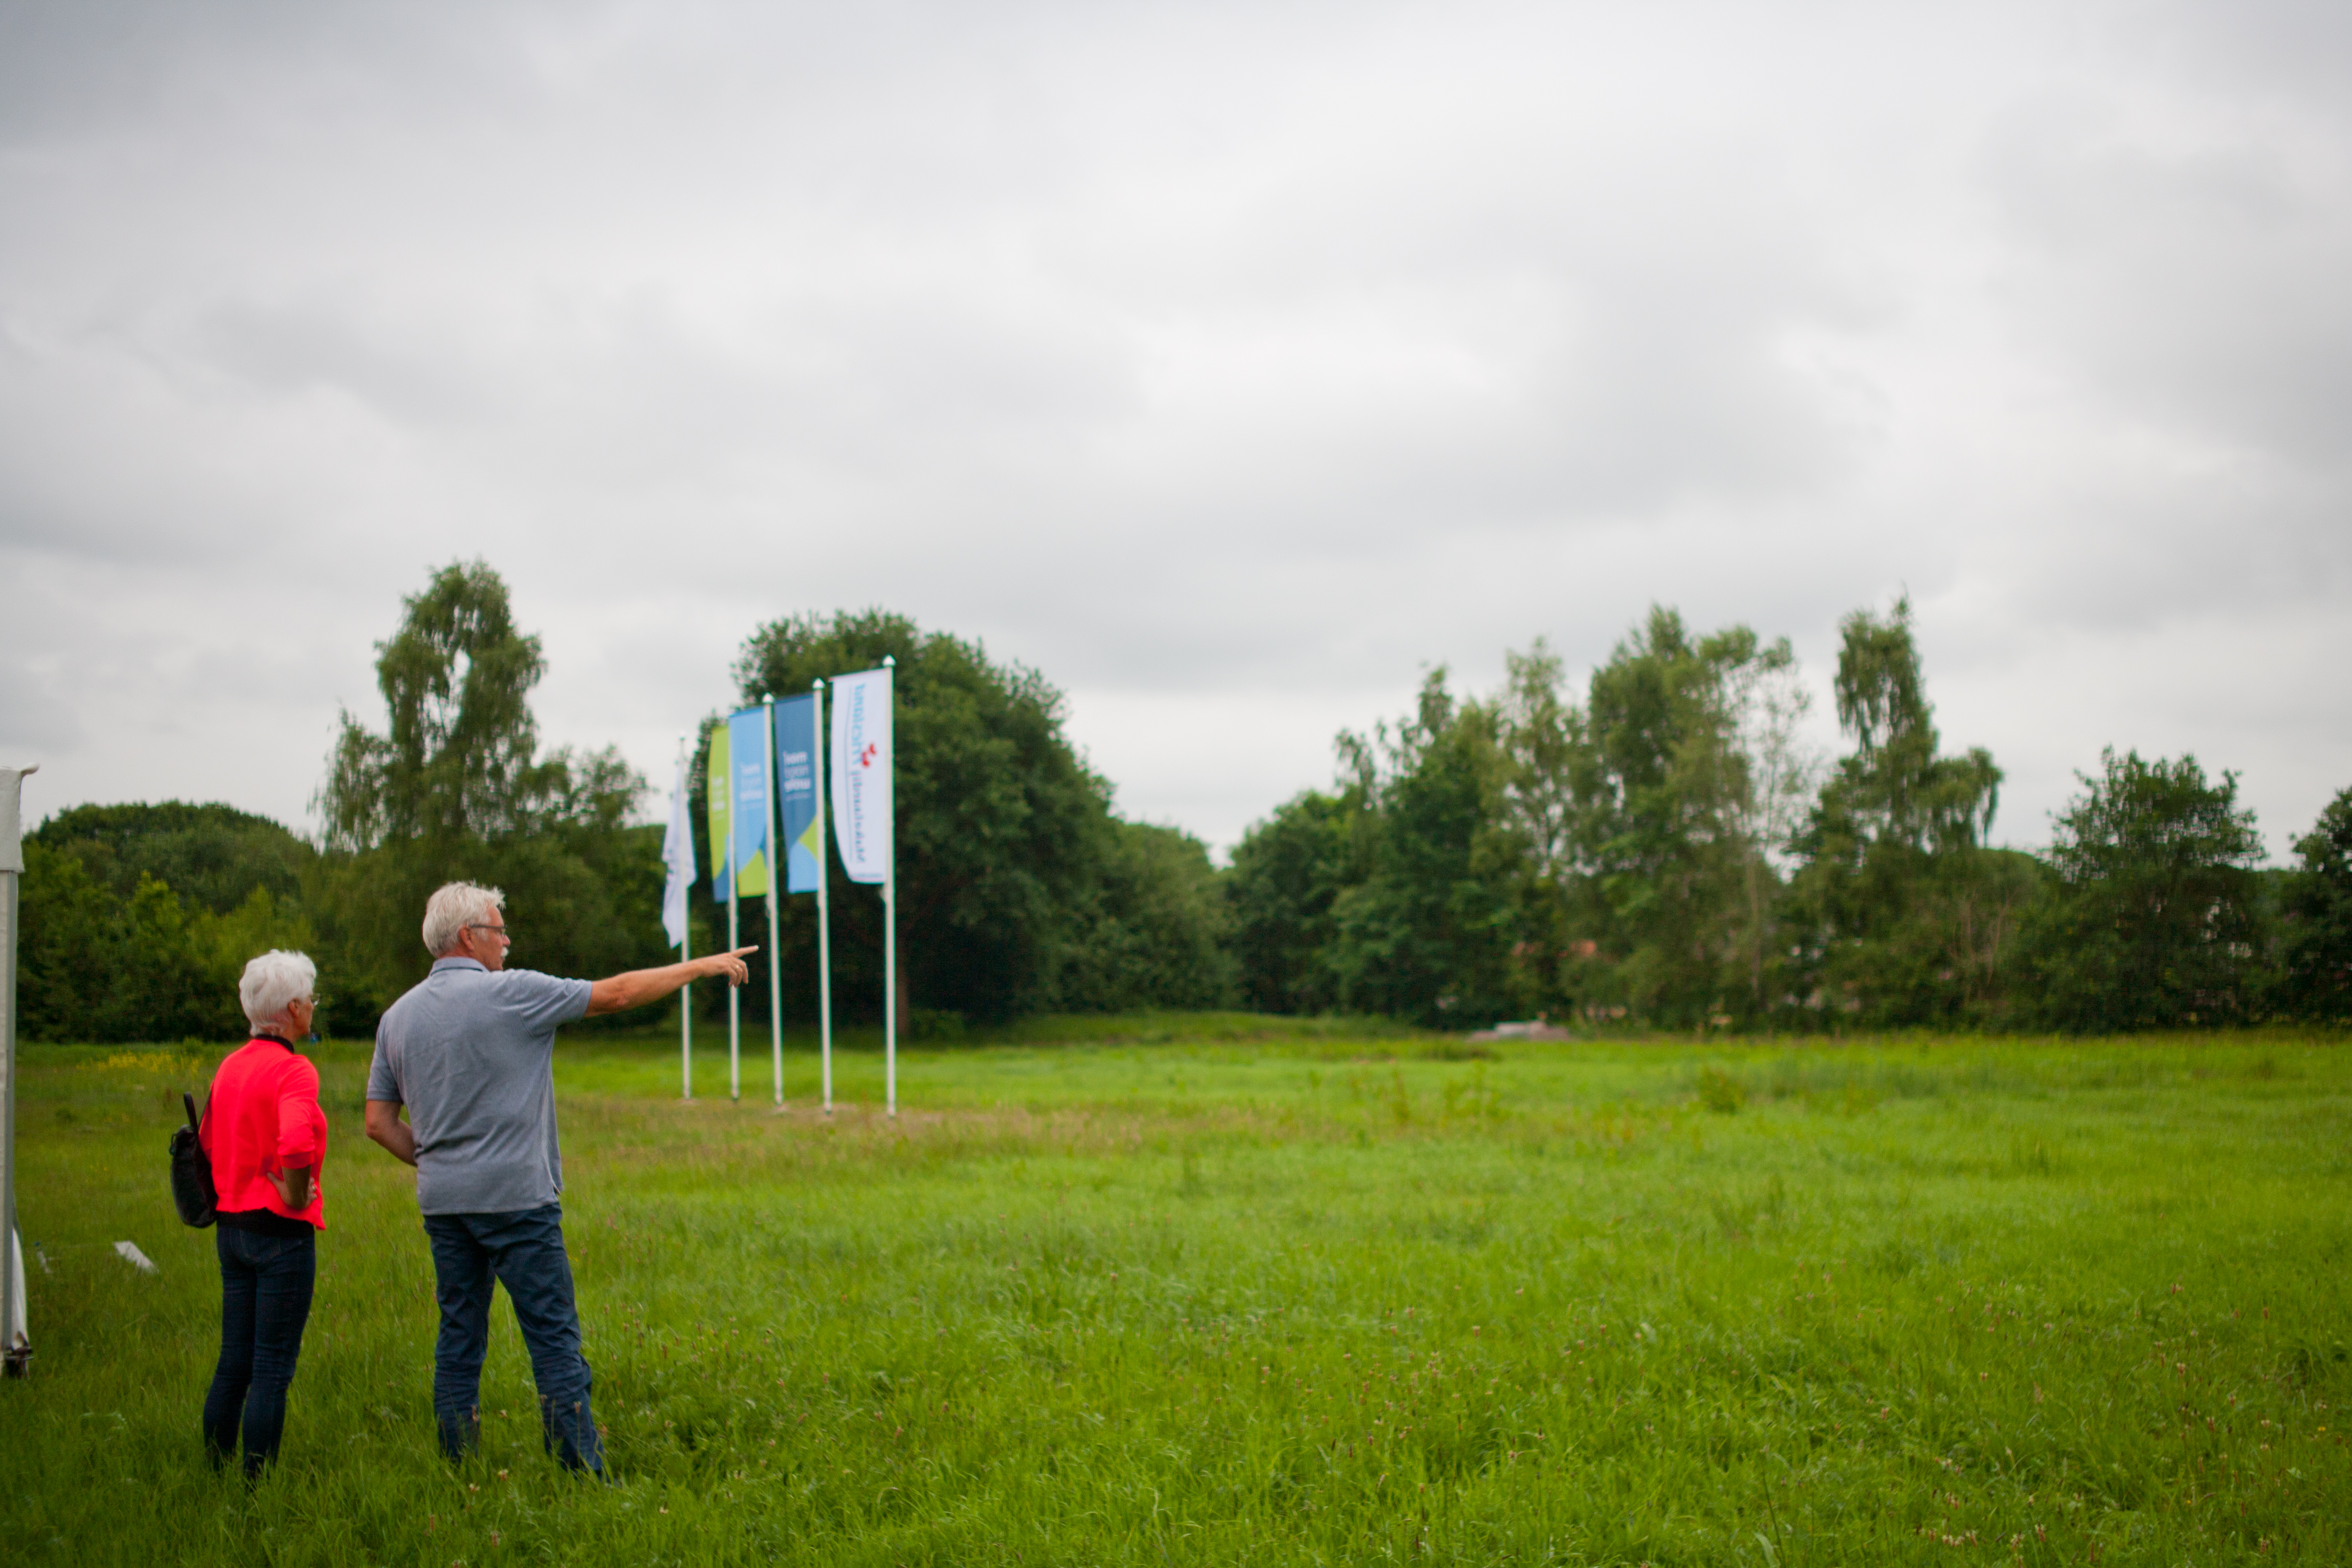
(861, 773)
(796, 793)
(748, 750)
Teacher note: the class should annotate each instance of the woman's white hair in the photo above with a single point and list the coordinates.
(451, 908)
(273, 982)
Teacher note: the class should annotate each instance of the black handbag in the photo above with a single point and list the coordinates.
(192, 1171)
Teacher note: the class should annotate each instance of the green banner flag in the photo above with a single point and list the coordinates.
(720, 776)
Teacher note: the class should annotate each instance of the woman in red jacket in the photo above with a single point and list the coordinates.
(266, 1138)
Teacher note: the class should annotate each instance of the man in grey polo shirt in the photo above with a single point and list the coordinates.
(470, 1052)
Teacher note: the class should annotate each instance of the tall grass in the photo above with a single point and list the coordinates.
(1120, 1292)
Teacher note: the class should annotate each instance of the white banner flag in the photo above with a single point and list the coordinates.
(861, 773)
(677, 854)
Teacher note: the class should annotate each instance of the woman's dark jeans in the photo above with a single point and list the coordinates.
(265, 1284)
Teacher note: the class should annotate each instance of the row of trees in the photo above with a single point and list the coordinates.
(1020, 888)
(1661, 853)
(1666, 852)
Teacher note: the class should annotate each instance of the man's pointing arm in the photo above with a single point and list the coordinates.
(639, 986)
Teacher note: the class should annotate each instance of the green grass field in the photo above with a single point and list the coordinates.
(1161, 1291)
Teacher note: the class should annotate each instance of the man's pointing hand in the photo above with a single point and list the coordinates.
(730, 965)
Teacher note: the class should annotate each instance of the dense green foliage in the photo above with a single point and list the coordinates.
(1313, 1297)
(1286, 876)
(1659, 855)
(1668, 795)
(1904, 911)
(138, 919)
(1420, 934)
(2151, 921)
(2315, 981)
(1155, 930)
(1019, 890)
(213, 856)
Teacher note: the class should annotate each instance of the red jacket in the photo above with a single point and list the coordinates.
(264, 1116)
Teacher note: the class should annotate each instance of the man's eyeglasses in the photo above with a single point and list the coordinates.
(501, 931)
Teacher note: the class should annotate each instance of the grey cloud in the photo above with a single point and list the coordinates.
(1229, 364)
(2257, 52)
(297, 349)
(34, 714)
(2200, 287)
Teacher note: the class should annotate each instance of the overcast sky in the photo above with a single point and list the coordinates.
(1229, 364)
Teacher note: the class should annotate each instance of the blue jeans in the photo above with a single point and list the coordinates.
(524, 1251)
(265, 1283)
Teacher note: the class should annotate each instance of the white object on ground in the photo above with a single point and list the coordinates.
(1523, 1029)
(136, 1259)
(11, 1312)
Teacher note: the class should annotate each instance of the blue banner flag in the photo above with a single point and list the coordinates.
(796, 793)
(748, 754)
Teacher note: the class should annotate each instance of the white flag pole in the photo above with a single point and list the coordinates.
(820, 750)
(775, 875)
(15, 1349)
(890, 925)
(686, 952)
(734, 993)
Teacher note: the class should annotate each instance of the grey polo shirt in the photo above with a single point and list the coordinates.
(472, 1055)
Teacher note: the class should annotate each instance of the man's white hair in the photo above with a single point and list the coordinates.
(273, 982)
(451, 908)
